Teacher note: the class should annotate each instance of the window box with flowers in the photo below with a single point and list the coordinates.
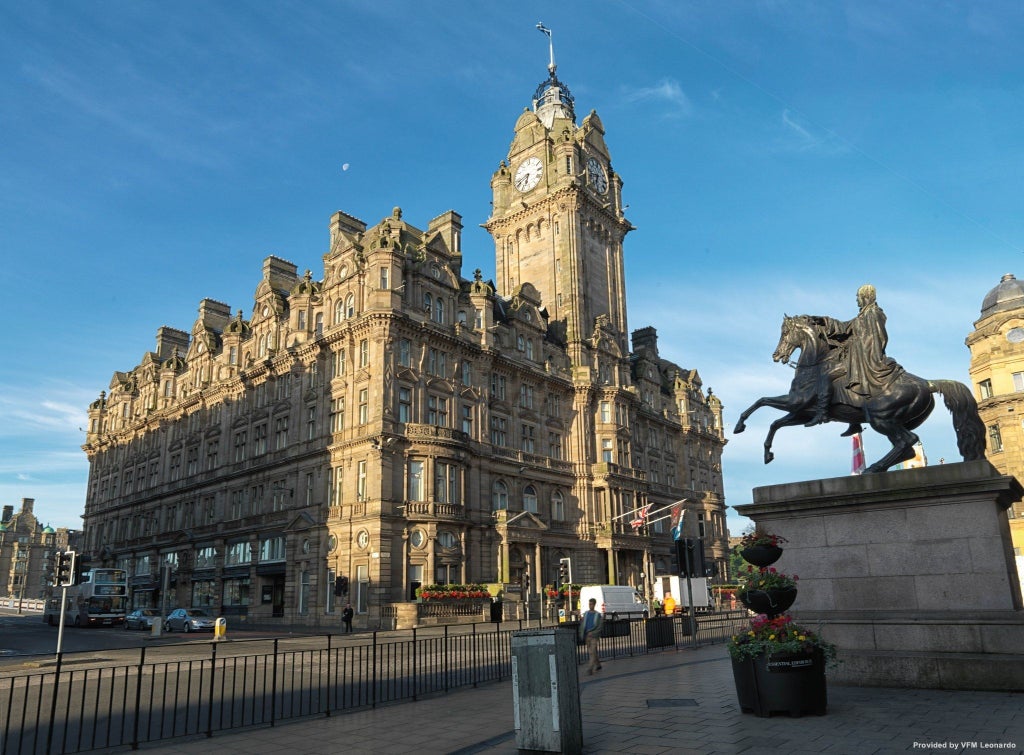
(452, 592)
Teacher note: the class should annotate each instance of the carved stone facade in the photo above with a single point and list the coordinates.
(392, 423)
(997, 374)
(26, 551)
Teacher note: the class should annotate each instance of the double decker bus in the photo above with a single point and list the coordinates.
(99, 599)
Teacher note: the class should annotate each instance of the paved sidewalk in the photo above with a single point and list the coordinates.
(673, 702)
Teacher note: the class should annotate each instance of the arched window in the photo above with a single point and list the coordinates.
(500, 496)
(447, 539)
(520, 343)
(319, 326)
(529, 349)
(428, 303)
(261, 349)
(530, 499)
(350, 306)
(557, 506)
(461, 317)
(339, 312)
(439, 311)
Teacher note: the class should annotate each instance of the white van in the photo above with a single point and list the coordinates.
(621, 601)
(677, 587)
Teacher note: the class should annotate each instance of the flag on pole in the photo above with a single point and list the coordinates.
(641, 517)
(858, 455)
(677, 520)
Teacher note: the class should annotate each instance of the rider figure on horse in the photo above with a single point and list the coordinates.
(860, 369)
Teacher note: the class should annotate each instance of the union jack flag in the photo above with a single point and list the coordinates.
(641, 517)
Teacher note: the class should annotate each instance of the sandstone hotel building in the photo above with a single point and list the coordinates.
(398, 419)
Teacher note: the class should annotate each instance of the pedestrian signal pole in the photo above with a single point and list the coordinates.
(526, 593)
(64, 577)
(565, 573)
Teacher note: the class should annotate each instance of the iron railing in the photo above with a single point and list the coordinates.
(83, 703)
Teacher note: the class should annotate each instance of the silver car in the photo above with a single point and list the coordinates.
(141, 618)
(189, 620)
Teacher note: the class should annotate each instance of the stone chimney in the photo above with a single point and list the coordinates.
(645, 340)
(169, 340)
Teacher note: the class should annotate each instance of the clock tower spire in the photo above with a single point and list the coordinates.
(557, 220)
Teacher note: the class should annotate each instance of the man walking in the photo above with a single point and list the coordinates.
(590, 632)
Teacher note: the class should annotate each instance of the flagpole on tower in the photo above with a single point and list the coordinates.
(551, 47)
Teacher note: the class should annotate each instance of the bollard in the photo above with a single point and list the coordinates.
(220, 628)
(546, 691)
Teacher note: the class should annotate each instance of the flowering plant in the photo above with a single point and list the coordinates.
(778, 635)
(752, 539)
(765, 578)
(452, 592)
(562, 591)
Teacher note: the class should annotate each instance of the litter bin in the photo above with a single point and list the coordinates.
(615, 627)
(546, 691)
(659, 632)
(220, 628)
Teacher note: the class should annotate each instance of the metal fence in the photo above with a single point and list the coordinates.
(156, 693)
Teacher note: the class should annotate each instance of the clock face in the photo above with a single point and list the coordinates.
(363, 539)
(528, 174)
(596, 176)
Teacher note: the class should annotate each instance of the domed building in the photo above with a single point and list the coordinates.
(997, 374)
(26, 548)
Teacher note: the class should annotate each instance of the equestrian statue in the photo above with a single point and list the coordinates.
(844, 375)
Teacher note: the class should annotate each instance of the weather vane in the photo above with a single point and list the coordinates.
(551, 47)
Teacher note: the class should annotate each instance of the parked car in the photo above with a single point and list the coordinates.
(141, 618)
(188, 620)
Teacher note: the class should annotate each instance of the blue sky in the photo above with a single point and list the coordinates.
(776, 155)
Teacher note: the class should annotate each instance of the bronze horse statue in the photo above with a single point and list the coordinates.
(895, 413)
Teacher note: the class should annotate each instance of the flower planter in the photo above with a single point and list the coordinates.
(769, 602)
(761, 555)
(780, 683)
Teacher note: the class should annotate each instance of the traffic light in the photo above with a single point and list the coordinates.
(65, 574)
(341, 586)
(526, 582)
(565, 571)
(690, 552)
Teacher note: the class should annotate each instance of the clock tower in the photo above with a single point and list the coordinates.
(557, 222)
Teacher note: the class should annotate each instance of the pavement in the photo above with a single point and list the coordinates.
(672, 702)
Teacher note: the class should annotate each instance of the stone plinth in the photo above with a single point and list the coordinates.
(910, 573)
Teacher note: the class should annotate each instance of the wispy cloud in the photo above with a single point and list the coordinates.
(124, 115)
(801, 136)
(666, 92)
